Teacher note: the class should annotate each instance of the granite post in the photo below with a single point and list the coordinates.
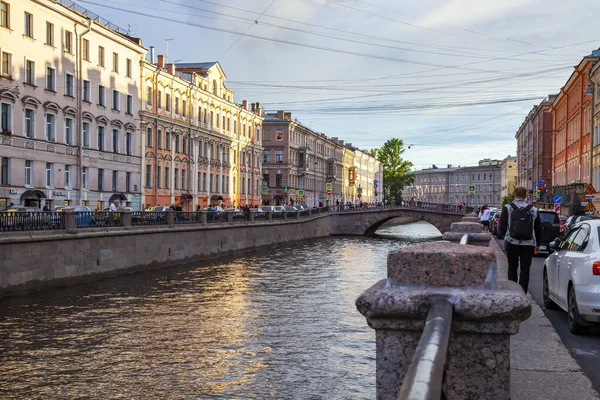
(473, 229)
(486, 314)
(70, 220)
(170, 217)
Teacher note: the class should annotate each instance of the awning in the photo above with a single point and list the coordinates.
(186, 196)
(216, 197)
(33, 195)
(117, 196)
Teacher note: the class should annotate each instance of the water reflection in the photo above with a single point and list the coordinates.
(273, 324)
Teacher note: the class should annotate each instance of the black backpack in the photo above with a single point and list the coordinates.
(521, 223)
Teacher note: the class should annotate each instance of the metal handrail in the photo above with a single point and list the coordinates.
(424, 378)
(464, 239)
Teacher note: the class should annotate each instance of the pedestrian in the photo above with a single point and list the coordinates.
(112, 217)
(460, 207)
(46, 208)
(484, 216)
(522, 230)
(113, 206)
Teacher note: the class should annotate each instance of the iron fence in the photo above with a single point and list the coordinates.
(216, 217)
(145, 218)
(103, 218)
(30, 221)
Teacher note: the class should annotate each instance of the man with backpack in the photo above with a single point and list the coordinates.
(522, 230)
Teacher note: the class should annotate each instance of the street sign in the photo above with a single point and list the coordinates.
(540, 182)
(590, 196)
(557, 208)
(472, 189)
(264, 189)
(590, 190)
(540, 187)
(359, 195)
(590, 207)
(359, 190)
(329, 192)
(538, 193)
(329, 186)
(300, 192)
(557, 200)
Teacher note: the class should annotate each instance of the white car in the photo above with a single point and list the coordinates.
(572, 276)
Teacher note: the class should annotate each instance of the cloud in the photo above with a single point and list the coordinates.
(471, 12)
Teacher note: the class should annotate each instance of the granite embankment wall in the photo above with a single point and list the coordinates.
(45, 259)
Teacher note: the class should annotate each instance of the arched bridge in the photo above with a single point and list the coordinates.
(366, 221)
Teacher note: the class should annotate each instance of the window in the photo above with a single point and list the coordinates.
(86, 135)
(4, 14)
(101, 56)
(87, 95)
(177, 143)
(168, 141)
(50, 34)
(128, 182)
(176, 179)
(129, 105)
(115, 101)
(85, 49)
(28, 25)
(279, 136)
(101, 96)
(279, 156)
(30, 72)
(49, 175)
(183, 108)
(166, 177)
(266, 179)
(69, 85)
(67, 176)
(6, 64)
(177, 105)
(84, 178)
(158, 177)
(50, 79)
(101, 138)
(115, 141)
(115, 66)
(28, 173)
(184, 149)
(128, 68)
(167, 102)
(100, 179)
(69, 131)
(129, 143)
(149, 95)
(183, 179)
(159, 139)
(148, 176)
(29, 122)
(5, 171)
(278, 180)
(115, 180)
(50, 127)
(149, 137)
(69, 42)
(159, 99)
(266, 156)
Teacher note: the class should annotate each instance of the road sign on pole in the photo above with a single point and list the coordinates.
(557, 200)
(359, 195)
(538, 193)
(557, 208)
(472, 189)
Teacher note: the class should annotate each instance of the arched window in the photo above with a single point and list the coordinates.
(215, 87)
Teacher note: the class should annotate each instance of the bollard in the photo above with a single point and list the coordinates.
(170, 218)
(204, 217)
(297, 214)
(70, 220)
(486, 313)
(285, 215)
(269, 215)
(310, 211)
(251, 216)
(230, 217)
(126, 219)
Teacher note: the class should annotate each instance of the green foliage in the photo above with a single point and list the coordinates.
(396, 171)
(507, 200)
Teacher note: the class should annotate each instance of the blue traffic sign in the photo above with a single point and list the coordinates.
(557, 200)
(540, 181)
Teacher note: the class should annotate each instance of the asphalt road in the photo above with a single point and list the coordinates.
(584, 348)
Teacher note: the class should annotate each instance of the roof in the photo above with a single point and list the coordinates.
(436, 170)
(200, 65)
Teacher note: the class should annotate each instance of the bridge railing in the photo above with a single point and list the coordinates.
(455, 208)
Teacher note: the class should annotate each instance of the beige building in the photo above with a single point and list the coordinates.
(594, 78)
(200, 147)
(69, 100)
(508, 176)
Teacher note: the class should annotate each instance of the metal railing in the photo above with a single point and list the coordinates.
(30, 221)
(145, 218)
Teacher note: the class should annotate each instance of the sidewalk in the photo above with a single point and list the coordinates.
(541, 366)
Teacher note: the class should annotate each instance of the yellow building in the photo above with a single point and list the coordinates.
(200, 147)
(508, 176)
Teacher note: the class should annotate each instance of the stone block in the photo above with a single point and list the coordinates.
(439, 264)
(466, 227)
(470, 219)
(475, 239)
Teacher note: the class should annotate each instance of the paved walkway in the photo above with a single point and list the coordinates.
(541, 366)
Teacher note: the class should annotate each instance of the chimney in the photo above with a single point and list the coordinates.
(245, 104)
(288, 116)
(253, 107)
(258, 109)
(449, 165)
(280, 114)
(171, 69)
(161, 61)
(152, 60)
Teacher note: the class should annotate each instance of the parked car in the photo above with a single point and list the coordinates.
(24, 217)
(493, 214)
(575, 219)
(279, 208)
(84, 217)
(495, 223)
(290, 208)
(571, 276)
(266, 209)
(563, 220)
(550, 228)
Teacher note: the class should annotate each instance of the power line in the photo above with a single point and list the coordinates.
(247, 30)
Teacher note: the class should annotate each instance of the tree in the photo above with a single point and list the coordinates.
(507, 200)
(396, 171)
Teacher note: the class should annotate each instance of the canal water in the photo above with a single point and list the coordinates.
(279, 323)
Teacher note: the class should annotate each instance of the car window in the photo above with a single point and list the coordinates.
(549, 217)
(580, 241)
(566, 243)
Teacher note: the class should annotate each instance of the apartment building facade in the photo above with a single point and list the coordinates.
(200, 147)
(69, 99)
(508, 176)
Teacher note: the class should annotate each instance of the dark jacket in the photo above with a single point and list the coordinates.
(505, 220)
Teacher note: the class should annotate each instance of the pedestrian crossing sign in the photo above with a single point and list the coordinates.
(472, 189)
(301, 193)
(590, 190)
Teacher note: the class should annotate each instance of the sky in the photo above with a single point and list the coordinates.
(454, 79)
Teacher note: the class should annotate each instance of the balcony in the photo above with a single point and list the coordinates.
(302, 171)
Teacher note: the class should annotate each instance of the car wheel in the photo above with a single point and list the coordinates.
(548, 303)
(573, 315)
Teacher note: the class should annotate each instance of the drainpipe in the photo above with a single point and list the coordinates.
(80, 105)
(155, 109)
(190, 112)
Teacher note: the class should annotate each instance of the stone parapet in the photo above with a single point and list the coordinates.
(475, 239)
(471, 219)
(465, 227)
